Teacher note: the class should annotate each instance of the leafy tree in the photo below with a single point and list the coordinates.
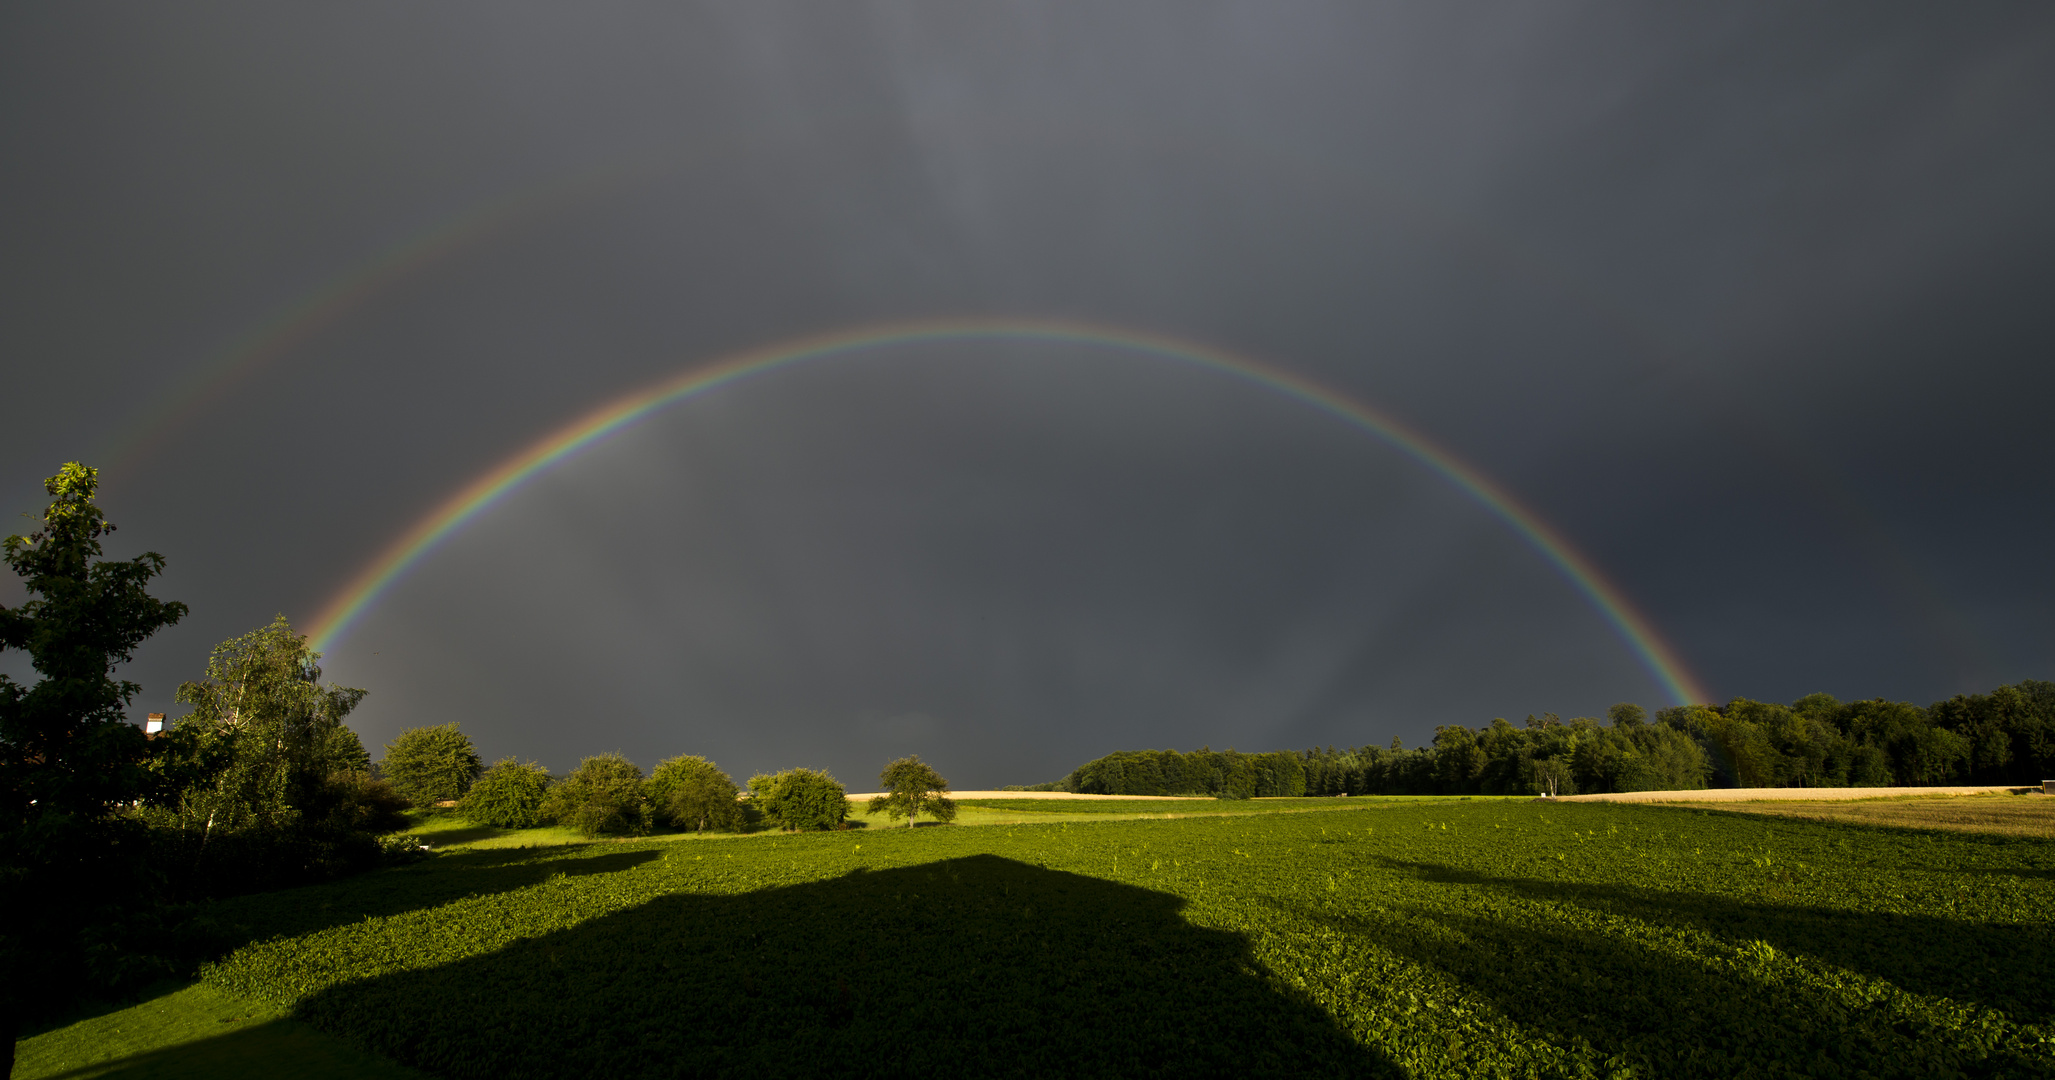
(432, 764)
(603, 795)
(256, 753)
(69, 760)
(800, 799)
(912, 785)
(1626, 714)
(508, 796)
(690, 792)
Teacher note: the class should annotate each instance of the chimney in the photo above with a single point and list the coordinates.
(154, 726)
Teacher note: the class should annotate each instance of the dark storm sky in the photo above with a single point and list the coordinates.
(1751, 301)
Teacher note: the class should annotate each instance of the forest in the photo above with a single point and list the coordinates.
(2006, 736)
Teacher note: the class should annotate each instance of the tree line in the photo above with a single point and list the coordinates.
(607, 794)
(2006, 736)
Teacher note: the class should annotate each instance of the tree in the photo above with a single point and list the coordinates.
(690, 792)
(912, 785)
(508, 796)
(263, 740)
(603, 795)
(799, 799)
(432, 764)
(69, 759)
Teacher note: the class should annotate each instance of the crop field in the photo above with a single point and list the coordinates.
(1424, 938)
(2031, 815)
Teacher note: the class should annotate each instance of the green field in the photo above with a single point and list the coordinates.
(1422, 937)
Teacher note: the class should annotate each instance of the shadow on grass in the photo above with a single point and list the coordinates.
(461, 835)
(979, 966)
(454, 876)
(1669, 1015)
(1997, 966)
(260, 1051)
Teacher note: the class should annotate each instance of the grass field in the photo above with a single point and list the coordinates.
(1425, 938)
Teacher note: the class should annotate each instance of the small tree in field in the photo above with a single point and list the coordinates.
(508, 796)
(912, 785)
(690, 792)
(431, 764)
(603, 795)
(799, 799)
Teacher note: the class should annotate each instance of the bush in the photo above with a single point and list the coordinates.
(432, 764)
(509, 795)
(357, 802)
(690, 792)
(799, 799)
(604, 795)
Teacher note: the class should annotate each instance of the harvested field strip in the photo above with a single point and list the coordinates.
(1428, 938)
(1799, 794)
(2000, 815)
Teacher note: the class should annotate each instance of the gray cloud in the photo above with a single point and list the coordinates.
(1746, 301)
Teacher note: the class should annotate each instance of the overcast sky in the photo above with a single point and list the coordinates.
(1749, 301)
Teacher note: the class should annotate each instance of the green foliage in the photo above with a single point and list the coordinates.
(911, 786)
(690, 792)
(431, 764)
(69, 759)
(509, 795)
(1422, 938)
(1223, 774)
(2004, 737)
(602, 796)
(800, 799)
(256, 753)
(358, 802)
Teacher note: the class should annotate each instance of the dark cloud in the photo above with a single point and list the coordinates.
(1748, 302)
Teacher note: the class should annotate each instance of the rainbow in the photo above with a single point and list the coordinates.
(347, 605)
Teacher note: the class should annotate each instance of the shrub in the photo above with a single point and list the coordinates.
(799, 799)
(359, 802)
(690, 792)
(604, 795)
(509, 795)
(432, 764)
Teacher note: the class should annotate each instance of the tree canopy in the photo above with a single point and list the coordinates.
(509, 795)
(800, 799)
(912, 785)
(263, 737)
(603, 795)
(690, 792)
(431, 764)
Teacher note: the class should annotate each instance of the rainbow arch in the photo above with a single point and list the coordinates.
(363, 590)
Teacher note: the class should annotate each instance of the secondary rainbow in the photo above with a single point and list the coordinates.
(1640, 636)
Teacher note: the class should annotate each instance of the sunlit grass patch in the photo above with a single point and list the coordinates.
(197, 1031)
